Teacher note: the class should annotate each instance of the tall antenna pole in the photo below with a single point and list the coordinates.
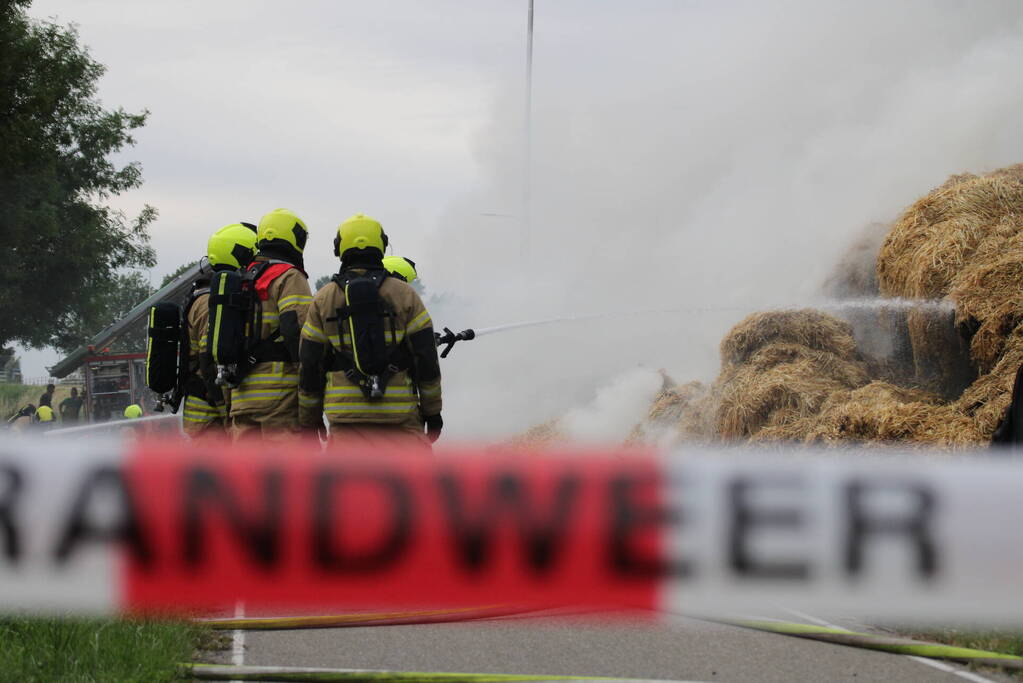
(527, 154)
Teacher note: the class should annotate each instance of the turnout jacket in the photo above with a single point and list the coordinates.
(199, 413)
(284, 308)
(411, 394)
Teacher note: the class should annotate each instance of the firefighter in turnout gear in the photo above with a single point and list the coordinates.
(369, 357)
(205, 413)
(265, 402)
(401, 268)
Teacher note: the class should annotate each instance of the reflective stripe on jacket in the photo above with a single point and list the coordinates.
(341, 399)
(270, 383)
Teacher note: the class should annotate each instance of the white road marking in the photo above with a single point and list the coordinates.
(968, 675)
(934, 663)
(238, 638)
(807, 617)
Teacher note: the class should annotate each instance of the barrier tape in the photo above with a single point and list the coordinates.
(219, 672)
(101, 527)
(869, 641)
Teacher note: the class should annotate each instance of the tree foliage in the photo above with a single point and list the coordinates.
(66, 249)
(181, 269)
(107, 303)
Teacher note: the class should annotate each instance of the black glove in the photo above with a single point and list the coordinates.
(434, 425)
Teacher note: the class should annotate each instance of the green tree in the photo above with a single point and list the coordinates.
(181, 269)
(66, 249)
(322, 281)
(108, 302)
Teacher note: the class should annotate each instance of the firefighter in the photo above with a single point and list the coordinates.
(266, 401)
(205, 413)
(369, 357)
(401, 268)
(44, 416)
(23, 419)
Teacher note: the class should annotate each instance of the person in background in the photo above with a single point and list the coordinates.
(47, 398)
(22, 420)
(44, 417)
(101, 410)
(70, 407)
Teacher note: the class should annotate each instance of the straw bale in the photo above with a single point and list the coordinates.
(781, 383)
(807, 327)
(698, 421)
(880, 414)
(940, 355)
(986, 399)
(938, 234)
(669, 409)
(541, 434)
(670, 403)
(989, 298)
(799, 376)
(1015, 170)
(849, 371)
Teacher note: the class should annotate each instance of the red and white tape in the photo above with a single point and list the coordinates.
(154, 526)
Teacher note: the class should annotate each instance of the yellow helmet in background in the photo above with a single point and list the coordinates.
(133, 411)
(401, 267)
(360, 232)
(281, 224)
(233, 245)
(44, 414)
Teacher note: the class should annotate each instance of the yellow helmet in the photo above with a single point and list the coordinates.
(281, 224)
(360, 232)
(133, 411)
(44, 414)
(233, 245)
(401, 267)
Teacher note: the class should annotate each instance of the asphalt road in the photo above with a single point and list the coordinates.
(682, 649)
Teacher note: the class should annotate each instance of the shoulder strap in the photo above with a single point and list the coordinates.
(345, 276)
(266, 273)
(196, 293)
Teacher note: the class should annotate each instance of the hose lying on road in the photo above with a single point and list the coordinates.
(220, 672)
(436, 616)
(902, 646)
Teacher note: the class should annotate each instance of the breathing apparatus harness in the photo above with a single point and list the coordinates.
(236, 320)
(368, 319)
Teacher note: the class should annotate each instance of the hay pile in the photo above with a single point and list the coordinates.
(543, 434)
(801, 376)
(963, 241)
(679, 411)
(941, 377)
(780, 367)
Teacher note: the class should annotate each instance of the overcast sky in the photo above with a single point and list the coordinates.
(327, 108)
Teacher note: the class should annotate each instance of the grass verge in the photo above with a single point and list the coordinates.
(1006, 642)
(95, 649)
(13, 397)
